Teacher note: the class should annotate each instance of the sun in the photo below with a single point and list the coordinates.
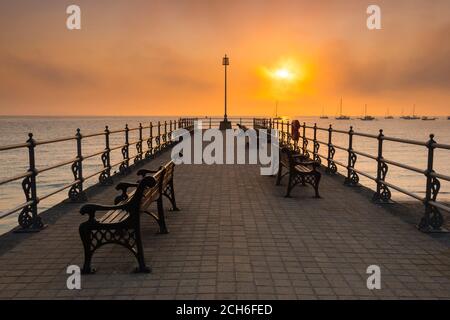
(283, 74)
(285, 79)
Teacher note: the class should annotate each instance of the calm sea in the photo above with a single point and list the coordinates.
(15, 129)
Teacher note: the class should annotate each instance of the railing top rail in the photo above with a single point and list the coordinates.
(407, 141)
(91, 135)
(441, 146)
(43, 142)
(15, 146)
(367, 135)
(16, 177)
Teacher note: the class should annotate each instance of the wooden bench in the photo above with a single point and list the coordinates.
(300, 170)
(121, 222)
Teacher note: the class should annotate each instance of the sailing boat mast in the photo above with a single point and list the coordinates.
(388, 116)
(366, 117)
(341, 116)
(414, 117)
(323, 116)
(276, 111)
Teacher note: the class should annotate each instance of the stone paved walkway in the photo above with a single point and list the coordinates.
(237, 237)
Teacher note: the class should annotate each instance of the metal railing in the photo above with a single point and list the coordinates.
(213, 122)
(432, 219)
(28, 218)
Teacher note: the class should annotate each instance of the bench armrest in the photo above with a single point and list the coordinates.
(312, 163)
(123, 186)
(143, 172)
(91, 209)
(299, 156)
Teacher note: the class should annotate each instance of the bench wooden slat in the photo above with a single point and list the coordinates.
(114, 217)
(303, 168)
(107, 215)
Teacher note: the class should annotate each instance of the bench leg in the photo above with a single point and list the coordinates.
(316, 184)
(161, 218)
(170, 194)
(291, 185)
(140, 254)
(279, 176)
(86, 239)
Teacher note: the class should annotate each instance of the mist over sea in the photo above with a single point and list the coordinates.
(14, 130)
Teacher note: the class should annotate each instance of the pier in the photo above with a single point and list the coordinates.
(237, 236)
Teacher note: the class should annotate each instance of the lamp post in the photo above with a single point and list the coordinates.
(225, 124)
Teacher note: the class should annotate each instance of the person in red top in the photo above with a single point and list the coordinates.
(295, 132)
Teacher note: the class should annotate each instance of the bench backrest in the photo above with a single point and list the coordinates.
(149, 189)
(162, 178)
(286, 157)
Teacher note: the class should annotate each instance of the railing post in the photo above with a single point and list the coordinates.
(383, 194)
(139, 146)
(169, 136)
(158, 138)
(352, 178)
(165, 135)
(76, 192)
(305, 141)
(316, 147)
(124, 166)
(288, 133)
(28, 218)
(149, 152)
(105, 176)
(331, 166)
(432, 220)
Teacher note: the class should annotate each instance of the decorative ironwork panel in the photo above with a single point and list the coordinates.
(105, 176)
(433, 218)
(25, 218)
(352, 178)
(316, 152)
(305, 146)
(331, 168)
(149, 151)
(138, 156)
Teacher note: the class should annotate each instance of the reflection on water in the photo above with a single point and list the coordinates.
(15, 129)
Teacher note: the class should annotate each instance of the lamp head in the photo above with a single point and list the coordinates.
(226, 61)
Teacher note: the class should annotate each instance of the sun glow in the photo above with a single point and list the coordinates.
(284, 80)
(283, 74)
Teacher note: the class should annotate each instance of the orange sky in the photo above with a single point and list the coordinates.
(164, 57)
